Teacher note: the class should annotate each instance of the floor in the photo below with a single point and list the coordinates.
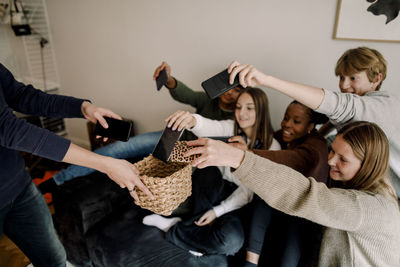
(11, 255)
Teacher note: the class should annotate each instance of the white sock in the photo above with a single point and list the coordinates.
(197, 254)
(160, 222)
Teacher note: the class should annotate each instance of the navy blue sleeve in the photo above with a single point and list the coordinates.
(26, 99)
(19, 135)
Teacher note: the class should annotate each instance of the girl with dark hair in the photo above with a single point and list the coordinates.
(214, 228)
(304, 150)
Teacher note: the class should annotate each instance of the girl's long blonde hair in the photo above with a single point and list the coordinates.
(371, 146)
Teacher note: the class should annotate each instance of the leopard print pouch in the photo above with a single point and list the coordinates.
(179, 150)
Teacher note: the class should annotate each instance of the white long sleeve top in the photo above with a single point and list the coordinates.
(242, 195)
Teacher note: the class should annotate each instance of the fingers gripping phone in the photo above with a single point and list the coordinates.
(219, 84)
(117, 129)
(161, 79)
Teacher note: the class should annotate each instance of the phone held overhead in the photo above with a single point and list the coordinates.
(219, 84)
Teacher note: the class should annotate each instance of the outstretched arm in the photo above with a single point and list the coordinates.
(287, 190)
(249, 76)
(120, 171)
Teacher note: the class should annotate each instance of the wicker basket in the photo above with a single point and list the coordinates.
(170, 183)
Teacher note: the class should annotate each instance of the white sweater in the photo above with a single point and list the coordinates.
(242, 195)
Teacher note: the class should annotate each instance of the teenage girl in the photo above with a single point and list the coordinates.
(214, 228)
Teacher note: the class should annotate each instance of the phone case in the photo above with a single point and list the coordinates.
(165, 145)
(161, 79)
(219, 84)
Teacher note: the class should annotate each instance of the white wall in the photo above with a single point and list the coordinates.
(107, 50)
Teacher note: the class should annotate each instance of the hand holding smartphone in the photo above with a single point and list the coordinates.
(161, 79)
(117, 129)
(219, 84)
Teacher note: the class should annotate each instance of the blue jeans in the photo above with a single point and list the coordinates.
(137, 146)
(225, 236)
(27, 221)
(290, 238)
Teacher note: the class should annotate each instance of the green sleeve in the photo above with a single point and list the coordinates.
(185, 95)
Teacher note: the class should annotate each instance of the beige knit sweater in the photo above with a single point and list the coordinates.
(362, 229)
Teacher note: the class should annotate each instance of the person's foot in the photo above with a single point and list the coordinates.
(195, 253)
(48, 186)
(160, 222)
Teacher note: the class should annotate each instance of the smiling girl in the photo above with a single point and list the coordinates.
(361, 72)
(360, 211)
(306, 151)
(214, 228)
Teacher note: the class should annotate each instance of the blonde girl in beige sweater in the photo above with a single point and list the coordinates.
(359, 210)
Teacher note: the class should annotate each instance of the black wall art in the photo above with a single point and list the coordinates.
(368, 20)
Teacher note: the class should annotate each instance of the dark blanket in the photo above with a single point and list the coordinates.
(99, 225)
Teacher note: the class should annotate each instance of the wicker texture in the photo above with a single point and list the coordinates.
(170, 183)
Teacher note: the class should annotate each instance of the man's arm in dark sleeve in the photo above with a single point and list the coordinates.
(17, 134)
(26, 99)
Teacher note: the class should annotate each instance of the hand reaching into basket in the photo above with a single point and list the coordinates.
(214, 153)
(181, 120)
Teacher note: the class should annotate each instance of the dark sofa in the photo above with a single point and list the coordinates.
(99, 225)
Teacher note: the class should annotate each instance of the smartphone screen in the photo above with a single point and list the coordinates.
(219, 84)
(117, 129)
(165, 145)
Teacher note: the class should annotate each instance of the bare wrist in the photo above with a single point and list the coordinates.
(239, 156)
(171, 83)
(84, 106)
(102, 163)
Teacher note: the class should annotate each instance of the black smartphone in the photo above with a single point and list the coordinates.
(161, 79)
(166, 143)
(117, 129)
(221, 138)
(219, 84)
